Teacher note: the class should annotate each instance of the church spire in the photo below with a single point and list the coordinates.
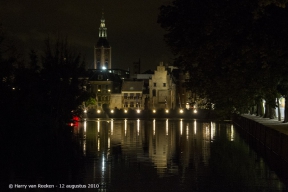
(102, 28)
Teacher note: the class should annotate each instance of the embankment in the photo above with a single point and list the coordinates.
(269, 138)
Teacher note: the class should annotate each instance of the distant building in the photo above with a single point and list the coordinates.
(102, 49)
(123, 74)
(132, 95)
(103, 84)
(162, 89)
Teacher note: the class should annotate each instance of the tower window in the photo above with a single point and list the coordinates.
(164, 84)
(154, 84)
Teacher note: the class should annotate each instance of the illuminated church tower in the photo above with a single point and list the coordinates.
(102, 50)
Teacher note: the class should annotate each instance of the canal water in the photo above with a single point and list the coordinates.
(169, 155)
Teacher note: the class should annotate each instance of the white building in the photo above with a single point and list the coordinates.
(132, 95)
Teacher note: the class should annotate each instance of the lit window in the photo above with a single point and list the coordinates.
(132, 104)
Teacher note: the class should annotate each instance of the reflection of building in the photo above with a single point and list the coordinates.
(102, 50)
(162, 89)
(157, 141)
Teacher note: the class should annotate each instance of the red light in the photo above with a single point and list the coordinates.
(76, 118)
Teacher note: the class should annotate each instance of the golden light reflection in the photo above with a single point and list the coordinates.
(112, 126)
(84, 147)
(207, 132)
(213, 131)
(181, 127)
(98, 144)
(187, 132)
(153, 126)
(85, 126)
(138, 126)
(167, 126)
(98, 126)
(232, 133)
(125, 126)
(195, 127)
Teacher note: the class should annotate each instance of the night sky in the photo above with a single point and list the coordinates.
(132, 28)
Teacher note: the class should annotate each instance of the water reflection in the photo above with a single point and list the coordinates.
(170, 154)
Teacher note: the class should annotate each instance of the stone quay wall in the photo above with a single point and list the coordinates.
(267, 137)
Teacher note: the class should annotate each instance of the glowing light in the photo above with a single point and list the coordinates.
(154, 110)
(232, 133)
(99, 90)
(166, 126)
(125, 126)
(98, 126)
(98, 144)
(85, 111)
(112, 111)
(181, 110)
(125, 111)
(195, 127)
(138, 126)
(85, 126)
(154, 126)
(112, 126)
(138, 110)
(109, 90)
(181, 127)
(167, 111)
(213, 131)
(98, 111)
(195, 111)
(103, 67)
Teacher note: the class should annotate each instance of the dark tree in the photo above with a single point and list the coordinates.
(231, 48)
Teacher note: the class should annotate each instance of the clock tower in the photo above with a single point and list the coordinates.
(102, 49)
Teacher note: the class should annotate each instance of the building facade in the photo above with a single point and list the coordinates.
(161, 89)
(132, 95)
(102, 84)
(102, 49)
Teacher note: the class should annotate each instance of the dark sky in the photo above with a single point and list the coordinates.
(132, 27)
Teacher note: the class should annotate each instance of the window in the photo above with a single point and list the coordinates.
(100, 77)
(126, 104)
(154, 93)
(132, 104)
(125, 95)
(164, 84)
(154, 84)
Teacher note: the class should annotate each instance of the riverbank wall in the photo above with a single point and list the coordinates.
(269, 138)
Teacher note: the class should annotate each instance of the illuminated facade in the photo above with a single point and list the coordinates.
(102, 50)
(132, 94)
(162, 89)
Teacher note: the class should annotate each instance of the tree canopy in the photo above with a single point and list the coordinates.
(235, 51)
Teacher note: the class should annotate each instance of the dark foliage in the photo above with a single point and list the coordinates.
(234, 50)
